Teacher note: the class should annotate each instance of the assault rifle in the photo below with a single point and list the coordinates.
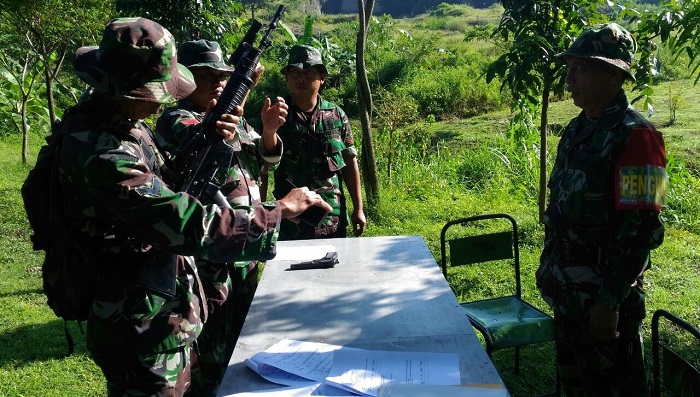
(203, 161)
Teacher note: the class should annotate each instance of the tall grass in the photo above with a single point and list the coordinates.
(470, 168)
(442, 168)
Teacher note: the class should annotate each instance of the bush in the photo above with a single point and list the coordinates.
(671, 69)
(457, 91)
(683, 197)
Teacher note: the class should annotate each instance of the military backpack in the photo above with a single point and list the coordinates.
(69, 267)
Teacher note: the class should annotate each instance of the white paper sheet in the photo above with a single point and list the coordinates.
(281, 392)
(294, 363)
(345, 371)
(364, 371)
(306, 253)
(316, 390)
(406, 390)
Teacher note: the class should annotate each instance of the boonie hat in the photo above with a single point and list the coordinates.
(202, 53)
(136, 59)
(303, 57)
(609, 43)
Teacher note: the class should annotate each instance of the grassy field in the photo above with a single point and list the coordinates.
(469, 171)
(672, 283)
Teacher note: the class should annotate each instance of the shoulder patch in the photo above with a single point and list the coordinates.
(641, 180)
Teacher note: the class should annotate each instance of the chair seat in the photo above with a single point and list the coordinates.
(510, 322)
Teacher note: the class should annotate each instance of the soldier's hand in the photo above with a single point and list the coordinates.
(227, 125)
(299, 200)
(257, 73)
(273, 116)
(358, 222)
(603, 323)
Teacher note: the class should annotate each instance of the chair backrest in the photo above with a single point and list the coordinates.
(679, 376)
(472, 247)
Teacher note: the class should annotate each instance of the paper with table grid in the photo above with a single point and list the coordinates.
(357, 371)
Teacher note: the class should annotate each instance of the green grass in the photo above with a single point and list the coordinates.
(32, 361)
(472, 174)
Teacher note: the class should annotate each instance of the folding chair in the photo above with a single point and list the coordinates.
(505, 321)
(671, 370)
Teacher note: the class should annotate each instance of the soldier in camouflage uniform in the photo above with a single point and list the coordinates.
(229, 288)
(149, 305)
(607, 189)
(319, 150)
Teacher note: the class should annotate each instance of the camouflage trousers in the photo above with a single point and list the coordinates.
(165, 374)
(594, 368)
(215, 344)
(337, 227)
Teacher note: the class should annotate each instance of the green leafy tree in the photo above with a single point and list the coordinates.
(254, 5)
(20, 79)
(218, 20)
(536, 31)
(47, 31)
(677, 25)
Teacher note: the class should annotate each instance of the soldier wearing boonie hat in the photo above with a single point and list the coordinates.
(202, 53)
(149, 307)
(136, 59)
(606, 191)
(304, 57)
(319, 150)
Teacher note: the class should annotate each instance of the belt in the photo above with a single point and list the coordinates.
(579, 254)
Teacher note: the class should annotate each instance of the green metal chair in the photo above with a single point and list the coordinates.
(504, 321)
(671, 370)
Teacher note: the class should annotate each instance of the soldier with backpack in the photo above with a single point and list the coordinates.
(148, 306)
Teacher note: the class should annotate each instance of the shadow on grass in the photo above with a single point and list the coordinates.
(27, 292)
(537, 371)
(537, 374)
(40, 342)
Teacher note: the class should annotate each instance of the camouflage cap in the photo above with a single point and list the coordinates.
(202, 53)
(304, 57)
(136, 59)
(609, 43)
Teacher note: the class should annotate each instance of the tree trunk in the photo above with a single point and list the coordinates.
(49, 79)
(364, 99)
(542, 201)
(25, 129)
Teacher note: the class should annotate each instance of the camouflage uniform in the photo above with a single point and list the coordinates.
(607, 188)
(149, 305)
(229, 289)
(316, 148)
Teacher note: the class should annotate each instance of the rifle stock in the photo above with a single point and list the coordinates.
(203, 161)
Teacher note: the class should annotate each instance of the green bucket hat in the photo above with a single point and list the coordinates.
(609, 43)
(202, 53)
(304, 57)
(136, 59)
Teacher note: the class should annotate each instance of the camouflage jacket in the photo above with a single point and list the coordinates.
(316, 147)
(176, 124)
(174, 127)
(112, 178)
(594, 208)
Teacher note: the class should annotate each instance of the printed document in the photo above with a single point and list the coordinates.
(357, 371)
(294, 363)
(365, 371)
(406, 390)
